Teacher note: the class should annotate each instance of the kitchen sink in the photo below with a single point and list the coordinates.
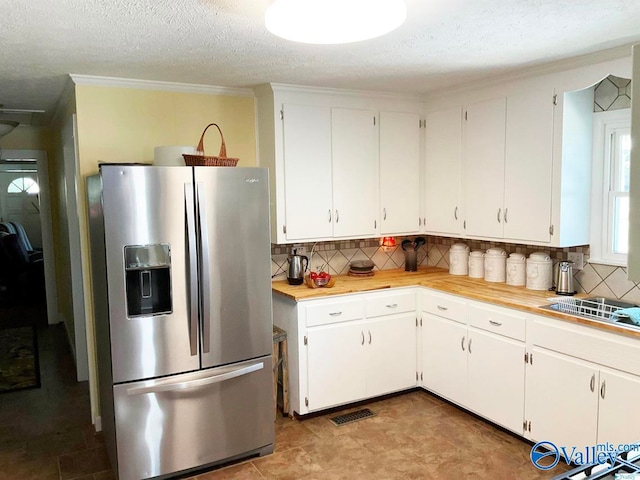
(594, 308)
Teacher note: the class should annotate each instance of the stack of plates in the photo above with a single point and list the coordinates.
(361, 268)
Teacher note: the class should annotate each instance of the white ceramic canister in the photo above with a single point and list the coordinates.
(459, 259)
(476, 264)
(495, 263)
(539, 271)
(516, 270)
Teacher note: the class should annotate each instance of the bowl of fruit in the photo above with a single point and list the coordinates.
(320, 279)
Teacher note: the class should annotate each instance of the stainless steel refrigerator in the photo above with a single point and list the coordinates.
(182, 295)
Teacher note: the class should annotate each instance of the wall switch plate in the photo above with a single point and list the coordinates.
(577, 259)
(300, 250)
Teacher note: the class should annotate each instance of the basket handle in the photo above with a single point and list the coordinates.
(200, 147)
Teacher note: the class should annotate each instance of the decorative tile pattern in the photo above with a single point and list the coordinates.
(595, 279)
(612, 93)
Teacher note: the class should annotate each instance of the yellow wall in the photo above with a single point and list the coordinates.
(125, 125)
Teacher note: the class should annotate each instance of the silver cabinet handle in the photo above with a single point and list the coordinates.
(335, 314)
(499, 211)
(493, 322)
(455, 213)
(329, 215)
(369, 337)
(470, 340)
(201, 382)
(193, 267)
(462, 344)
(337, 216)
(392, 305)
(384, 213)
(592, 383)
(444, 309)
(506, 210)
(603, 389)
(362, 333)
(204, 268)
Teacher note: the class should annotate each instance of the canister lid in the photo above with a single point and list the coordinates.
(459, 247)
(496, 252)
(477, 253)
(539, 257)
(516, 257)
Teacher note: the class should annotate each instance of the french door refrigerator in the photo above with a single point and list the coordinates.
(182, 296)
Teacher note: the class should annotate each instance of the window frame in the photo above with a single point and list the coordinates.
(605, 124)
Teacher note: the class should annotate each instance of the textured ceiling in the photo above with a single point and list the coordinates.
(224, 43)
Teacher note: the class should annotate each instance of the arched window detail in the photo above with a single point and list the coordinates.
(24, 184)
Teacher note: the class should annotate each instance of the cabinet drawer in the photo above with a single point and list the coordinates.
(497, 320)
(388, 304)
(326, 312)
(447, 306)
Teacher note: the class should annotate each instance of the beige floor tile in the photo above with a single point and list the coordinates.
(289, 465)
(244, 471)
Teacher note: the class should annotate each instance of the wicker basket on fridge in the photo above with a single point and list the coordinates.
(199, 159)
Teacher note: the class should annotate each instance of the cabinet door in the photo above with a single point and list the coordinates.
(496, 378)
(391, 354)
(562, 399)
(618, 416)
(355, 172)
(484, 167)
(399, 164)
(444, 357)
(528, 166)
(307, 164)
(443, 156)
(336, 364)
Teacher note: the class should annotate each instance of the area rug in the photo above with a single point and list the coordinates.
(19, 366)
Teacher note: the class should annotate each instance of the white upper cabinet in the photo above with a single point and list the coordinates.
(399, 167)
(443, 156)
(324, 150)
(355, 172)
(307, 149)
(528, 166)
(484, 148)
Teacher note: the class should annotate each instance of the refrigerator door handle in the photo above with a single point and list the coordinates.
(201, 382)
(206, 282)
(193, 268)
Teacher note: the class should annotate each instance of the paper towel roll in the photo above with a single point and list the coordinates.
(171, 155)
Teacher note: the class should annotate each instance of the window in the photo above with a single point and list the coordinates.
(610, 174)
(24, 184)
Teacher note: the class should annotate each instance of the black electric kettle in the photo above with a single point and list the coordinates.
(297, 265)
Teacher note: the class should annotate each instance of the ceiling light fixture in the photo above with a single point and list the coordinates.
(6, 126)
(333, 21)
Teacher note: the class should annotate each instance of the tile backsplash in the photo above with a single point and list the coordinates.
(335, 257)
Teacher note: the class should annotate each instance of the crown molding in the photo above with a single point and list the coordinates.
(585, 60)
(282, 87)
(158, 85)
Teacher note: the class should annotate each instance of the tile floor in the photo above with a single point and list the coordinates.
(46, 434)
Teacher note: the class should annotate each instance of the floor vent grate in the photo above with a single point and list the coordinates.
(352, 417)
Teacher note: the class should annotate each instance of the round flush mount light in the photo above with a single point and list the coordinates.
(334, 21)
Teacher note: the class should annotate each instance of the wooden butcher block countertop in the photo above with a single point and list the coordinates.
(502, 294)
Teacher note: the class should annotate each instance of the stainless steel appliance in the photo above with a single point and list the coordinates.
(564, 282)
(182, 292)
(297, 265)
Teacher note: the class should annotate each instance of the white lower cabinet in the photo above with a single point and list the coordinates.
(495, 372)
(577, 394)
(350, 359)
(562, 404)
(470, 364)
(444, 360)
(335, 364)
